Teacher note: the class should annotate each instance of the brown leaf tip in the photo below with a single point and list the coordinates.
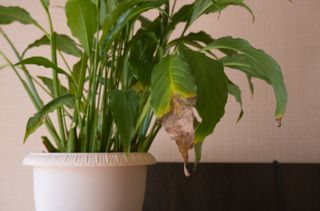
(186, 172)
(279, 121)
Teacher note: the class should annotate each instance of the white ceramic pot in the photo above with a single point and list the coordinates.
(89, 181)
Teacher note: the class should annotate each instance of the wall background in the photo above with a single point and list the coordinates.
(289, 32)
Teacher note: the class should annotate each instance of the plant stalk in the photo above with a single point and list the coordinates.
(48, 123)
(56, 83)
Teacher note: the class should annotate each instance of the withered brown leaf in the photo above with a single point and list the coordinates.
(179, 125)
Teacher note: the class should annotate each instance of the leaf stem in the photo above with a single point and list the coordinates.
(56, 83)
(34, 101)
(173, 7)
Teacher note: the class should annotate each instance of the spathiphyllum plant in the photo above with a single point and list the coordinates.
(132, 77)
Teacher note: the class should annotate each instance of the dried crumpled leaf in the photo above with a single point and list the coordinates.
(179, 125)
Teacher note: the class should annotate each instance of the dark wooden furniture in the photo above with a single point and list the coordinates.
(234, 187)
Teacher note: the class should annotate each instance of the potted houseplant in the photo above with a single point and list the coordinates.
(131, 79)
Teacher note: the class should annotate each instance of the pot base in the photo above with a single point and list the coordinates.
(88, 188)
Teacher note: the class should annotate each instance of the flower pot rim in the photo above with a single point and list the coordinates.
(88, 159)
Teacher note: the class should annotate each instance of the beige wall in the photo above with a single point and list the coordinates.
(289, 32)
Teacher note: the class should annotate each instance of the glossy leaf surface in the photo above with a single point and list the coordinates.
(124, 106)
(37, 120)
(64, 44)
(121, 16)
(255, 63)
(170, 78)
(41, 61)
(82, 21)
(212, 92)
(11, 14)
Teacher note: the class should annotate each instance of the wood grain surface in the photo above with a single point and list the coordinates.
(234, 187)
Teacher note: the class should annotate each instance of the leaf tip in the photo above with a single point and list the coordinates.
(25, 138)
(240, 116)
(186, 171)
(279, 120)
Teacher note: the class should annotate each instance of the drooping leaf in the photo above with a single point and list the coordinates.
(199, 8)
(37, 119)
(212, 90)
(244, 63)
(82, 21)
(170, 78)
(173, 94)
(194, 39)
(220, 5)
(11, 14)
(124, 106)
(126, 11)
(251, 86)
(64, 44)
(191, 12)
(255, 63)
(41, 61)
(201, 36)
(235, 91)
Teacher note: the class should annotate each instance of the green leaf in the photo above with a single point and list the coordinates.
(10, 14)
(45, 3)
(212, 92)
(170, 78)
(48, 82)
(67, 45)
(46, 142)
(44, 40)
(251, 86)
(143, 48)
(64, 44)
(37, 120)
(124, 106)
(72, 138)
(96, 2)
(82, 21)
(122, 15)
(199, 8)
(201, 36)
(106, 8)
(245, 64)
(76, 72)
(198, 154)
(194, 39)
(235, 91)
(191, 12)
(145, 22)
(255, 63)
(220, 5)
(182, 15)
(41, 61)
